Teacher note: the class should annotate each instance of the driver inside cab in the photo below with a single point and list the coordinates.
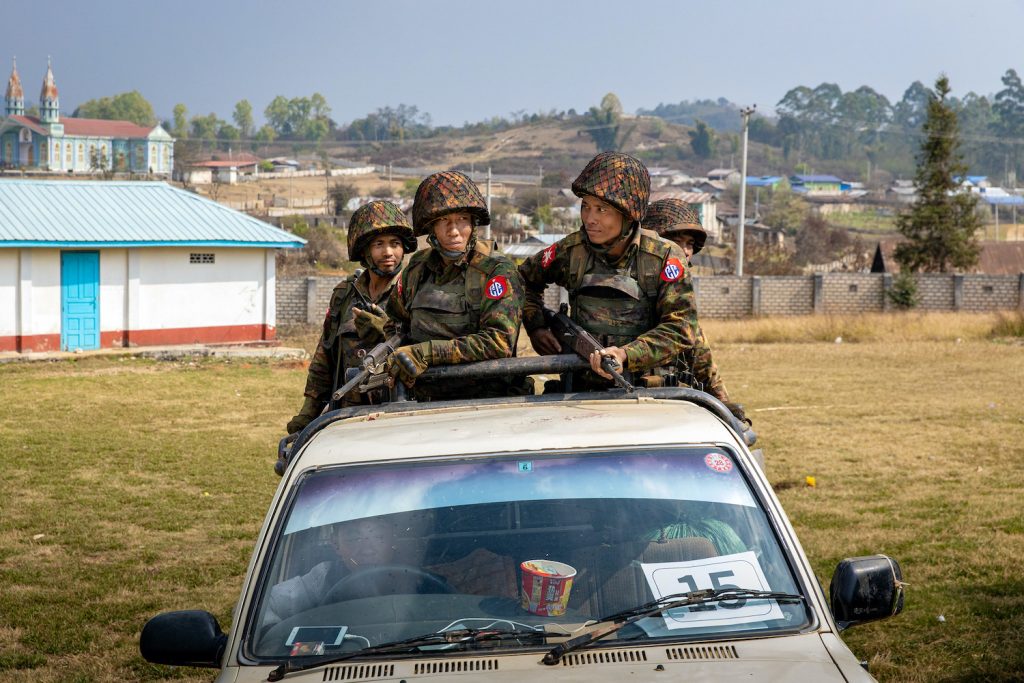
(358, 546)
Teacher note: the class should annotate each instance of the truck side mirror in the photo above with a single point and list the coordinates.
(866, 589)
(187, 638)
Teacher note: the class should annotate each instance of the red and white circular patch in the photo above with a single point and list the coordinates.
(718, 462)
(496, 287)
(673, 270)
(547, 256)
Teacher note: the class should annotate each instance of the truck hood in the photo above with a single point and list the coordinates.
(797, 658)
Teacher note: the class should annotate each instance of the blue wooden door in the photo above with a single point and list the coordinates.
(79, 300)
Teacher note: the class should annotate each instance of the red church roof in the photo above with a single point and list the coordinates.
(92, 127)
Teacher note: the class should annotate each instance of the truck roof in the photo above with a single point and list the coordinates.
(502, 427)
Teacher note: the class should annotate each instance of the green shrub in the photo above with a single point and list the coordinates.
(903, 293)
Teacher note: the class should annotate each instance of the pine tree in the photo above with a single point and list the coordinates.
(940, 227)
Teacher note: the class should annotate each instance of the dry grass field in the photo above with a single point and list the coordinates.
(132, 487)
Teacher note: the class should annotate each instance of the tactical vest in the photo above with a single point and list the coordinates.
(341, 340)
(615, 304)
(450, 310)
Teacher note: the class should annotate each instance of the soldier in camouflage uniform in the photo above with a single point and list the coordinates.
(379, 236)
(458, 301)
(678, 222)
(626, 286)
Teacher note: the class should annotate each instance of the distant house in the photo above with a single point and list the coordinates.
(705, 203)
(224, 168)
(816, 184)
(712, 187)
(729, 176)
(752, 229)
(88, 265)
(995, 258)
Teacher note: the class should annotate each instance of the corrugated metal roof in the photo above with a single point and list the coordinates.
(40, 213)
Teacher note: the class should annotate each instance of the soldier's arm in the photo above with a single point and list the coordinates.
(705, 372)
(397, 307)
(676, 330)
(536, 277)
(499, 322)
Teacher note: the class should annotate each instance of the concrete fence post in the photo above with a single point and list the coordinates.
(312, 313)
(755, 296)
(958, 292)
(886, 288)
(819, 293)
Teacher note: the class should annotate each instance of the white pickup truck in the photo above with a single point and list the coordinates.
(590, 537)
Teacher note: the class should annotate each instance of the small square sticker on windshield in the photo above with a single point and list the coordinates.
(526, 466)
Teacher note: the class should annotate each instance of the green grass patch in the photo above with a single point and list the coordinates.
(133, 487)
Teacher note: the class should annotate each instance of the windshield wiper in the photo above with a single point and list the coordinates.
(655, 608)
(455, 638)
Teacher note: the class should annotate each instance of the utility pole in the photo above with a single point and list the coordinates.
(745, 113)
(487, 228)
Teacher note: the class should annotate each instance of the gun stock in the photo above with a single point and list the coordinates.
(576, 339)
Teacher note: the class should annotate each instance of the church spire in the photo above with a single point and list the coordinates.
(15, 98)
(49, 105)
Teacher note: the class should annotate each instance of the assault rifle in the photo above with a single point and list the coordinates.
(371, 373)
(575, 338)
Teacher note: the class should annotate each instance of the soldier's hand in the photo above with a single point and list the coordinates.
(737, 410)
(545, 342)
(310, 411)
(370, 323)
(615, 352)
(409, 362)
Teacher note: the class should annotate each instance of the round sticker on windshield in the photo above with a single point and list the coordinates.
(718, 462)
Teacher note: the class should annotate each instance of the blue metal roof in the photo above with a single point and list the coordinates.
(763, 181)
(58, 213)
(816, 179)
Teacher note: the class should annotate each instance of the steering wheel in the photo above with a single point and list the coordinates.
(389, 579)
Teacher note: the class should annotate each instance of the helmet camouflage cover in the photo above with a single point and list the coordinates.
(444, 193)
(670, 216)
(618, 179)
(372, 220)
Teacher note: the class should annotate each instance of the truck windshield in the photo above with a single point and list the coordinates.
(375, 554)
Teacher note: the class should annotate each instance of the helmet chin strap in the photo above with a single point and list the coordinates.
(453, 255)
(628, 231)
(372, 267)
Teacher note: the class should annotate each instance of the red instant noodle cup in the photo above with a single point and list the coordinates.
(545, 588)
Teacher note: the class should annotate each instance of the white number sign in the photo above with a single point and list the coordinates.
(741, 570)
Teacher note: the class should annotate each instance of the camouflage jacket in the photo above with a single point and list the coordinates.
(662, 324)
(339, 340)
(469, 310)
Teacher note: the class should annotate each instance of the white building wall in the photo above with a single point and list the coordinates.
(41, 286)
(9, 292)
(113, 289)
(174, 293)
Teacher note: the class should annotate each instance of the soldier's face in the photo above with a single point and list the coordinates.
(386, 252)
(685, 242)
(602, 221)
(453, 231)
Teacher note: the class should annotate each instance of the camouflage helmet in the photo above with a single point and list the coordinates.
(668, 217)
(373, 220)
(444, 193)
(618, 179)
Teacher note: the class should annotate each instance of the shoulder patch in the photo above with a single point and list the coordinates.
(673, 270)
(548, 255)
(496, 288)
(398, 287)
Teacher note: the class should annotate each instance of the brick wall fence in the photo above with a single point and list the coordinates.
(305, 299)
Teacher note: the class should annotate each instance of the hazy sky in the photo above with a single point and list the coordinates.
(465, 61)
